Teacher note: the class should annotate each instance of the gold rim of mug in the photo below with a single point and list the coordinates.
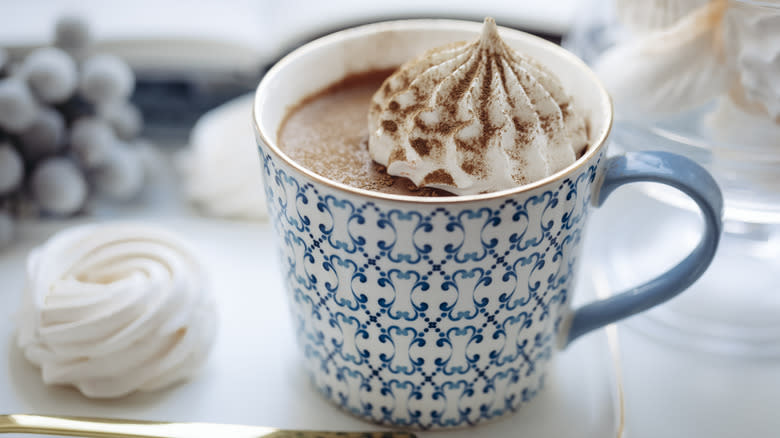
(368, 29)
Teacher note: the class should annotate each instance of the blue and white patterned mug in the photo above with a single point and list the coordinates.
(444, 312)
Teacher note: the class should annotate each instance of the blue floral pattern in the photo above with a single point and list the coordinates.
(424, 315)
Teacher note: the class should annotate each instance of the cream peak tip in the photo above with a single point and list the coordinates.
(489, 36)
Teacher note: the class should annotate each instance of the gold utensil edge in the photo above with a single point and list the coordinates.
(106, 427)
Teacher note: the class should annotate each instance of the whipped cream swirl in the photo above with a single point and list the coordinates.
(475, 117)
(115, 308)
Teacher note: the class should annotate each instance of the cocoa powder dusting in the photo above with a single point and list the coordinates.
(421, 146)
(389, 126)
(525, 132)
(548, 123)
(398, 154)
(472, 150)
(469, 167)
(565, 109)
(501, 73)
(449, 101)
(439, 176)
(444, 127)
(327, 133)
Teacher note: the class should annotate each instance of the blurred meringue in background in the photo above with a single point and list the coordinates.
(221, 171)
(681, 55)
(666, 69)
(752, 39)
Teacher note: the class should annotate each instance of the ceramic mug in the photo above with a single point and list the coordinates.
(445, 312)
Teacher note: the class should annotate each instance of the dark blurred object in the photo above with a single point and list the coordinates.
(171, 103)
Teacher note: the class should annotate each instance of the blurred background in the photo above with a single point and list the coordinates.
(164, 39)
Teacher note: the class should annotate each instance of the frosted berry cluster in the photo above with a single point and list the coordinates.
(67, 129)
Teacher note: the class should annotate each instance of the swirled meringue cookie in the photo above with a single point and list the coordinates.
(115, 308)
(649, 15)
(474, 117)
(220, 170)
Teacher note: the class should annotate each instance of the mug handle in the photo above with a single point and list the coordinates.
(688, 177)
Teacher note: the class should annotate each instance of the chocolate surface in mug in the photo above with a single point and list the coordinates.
(328, 134)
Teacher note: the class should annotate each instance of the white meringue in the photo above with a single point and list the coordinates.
(220, 170)
(115, 308)
(670, 70)
(753, 43)
(475, 117)
(649, 15)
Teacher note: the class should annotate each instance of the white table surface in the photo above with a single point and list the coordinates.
(254, 374)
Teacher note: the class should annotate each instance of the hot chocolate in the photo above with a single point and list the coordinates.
(464, 118)
(327, 133)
